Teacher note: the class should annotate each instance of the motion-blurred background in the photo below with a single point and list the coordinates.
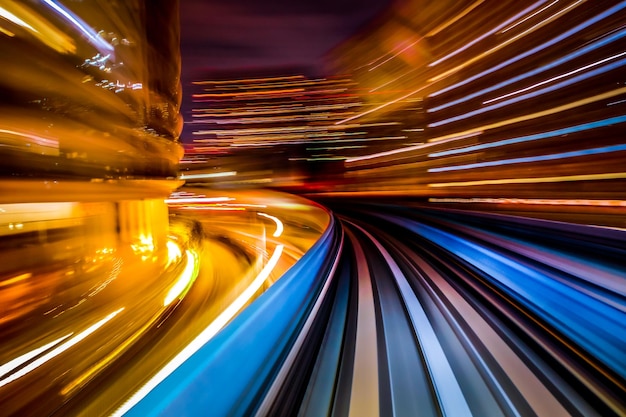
(160, 150)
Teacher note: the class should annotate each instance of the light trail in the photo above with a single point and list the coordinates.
(279, 224)
(408, 149)
(533, 201)
(550, 134)
(558, 77)
(474, 41)
(555, 87)
(530, 116)
(207, 334)
(382, 106)
(396, 54)
(209, 175)
(95, 40)
(563, 178)
(450, 22)
(504, 44)
(448, 391)
(538, 158)
(58, 350)
(185, 279)
(364, 394)
(198, 200)
(4, 13)
(603, 41)
(530, 16)
(539, 48)
(22, 359)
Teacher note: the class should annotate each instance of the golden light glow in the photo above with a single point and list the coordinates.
(564, 178)
(206, 335)
(57, 350)
(185, 279)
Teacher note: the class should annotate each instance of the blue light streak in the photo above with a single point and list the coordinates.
(537, 136)
(533, 51)
(490, 32)
(589, 48)
(99, 43)
(562, 84)
(562, 155)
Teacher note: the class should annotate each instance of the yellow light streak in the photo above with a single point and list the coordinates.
(382, 106)
(558, 77)
(268, 110)
(413, 147)
(396, 54)
(205, 336)
(533, 201)
(15, 279)
(91, 372)
(38, 26)
(7, 32)
(198, 200)
(279, 224)
(246, 80)
(14, 19)
(173, 252)
(249, 93)
(393, 80)
(531, 116)
(17, 362)
(208, 175)
(185, 280)
(454, 19)
(59, 349)
(530, 16)
(563, 178)
(502, 45)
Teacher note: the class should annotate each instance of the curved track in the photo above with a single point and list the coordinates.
(404, 312)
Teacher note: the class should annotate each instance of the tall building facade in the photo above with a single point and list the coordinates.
(89, 118)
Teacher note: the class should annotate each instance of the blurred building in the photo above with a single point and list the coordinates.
(281, 129)
(516, 99)
(89, 119)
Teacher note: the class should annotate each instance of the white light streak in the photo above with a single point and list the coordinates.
(198, 200)
(481, 37)
(382, 106)
(188, 275)
(58, 350)
(209, 175)
(410, 148)
(95, 40)
(17, 362)
(454, 19)
(279, 224)
(205, 336)
(14, 19)
(503, 44)
(530, 16)
(396, 54)
(558, 77)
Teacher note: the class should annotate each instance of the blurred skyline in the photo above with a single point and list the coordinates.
(247, 37)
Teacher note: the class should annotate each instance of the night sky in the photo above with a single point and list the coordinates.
(254, 34)
(249, 36)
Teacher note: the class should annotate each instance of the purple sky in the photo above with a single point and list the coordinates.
(247, 34)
